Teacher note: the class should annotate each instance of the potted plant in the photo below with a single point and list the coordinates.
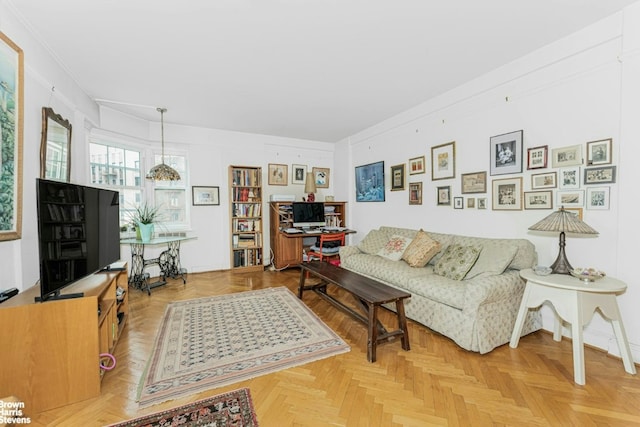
(143, 217)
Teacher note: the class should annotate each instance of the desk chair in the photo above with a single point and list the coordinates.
(330, 254)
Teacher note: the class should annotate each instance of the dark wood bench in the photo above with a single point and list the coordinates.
(369, 294)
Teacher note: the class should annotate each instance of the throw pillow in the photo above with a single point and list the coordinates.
(421, 249)
(395, 247)
(373, 242)
(456, 261)
(493, 259)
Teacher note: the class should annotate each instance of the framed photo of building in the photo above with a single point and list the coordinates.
(321, 175)
(538, 199)
(443, 161)
(205, 196)
(370, 182)
(278, 174)
(397, 177)
(415, 193)
(601, 175)
(599, 152)
(566, 156)
(444, 196)
(298, 174)
(537, 157)
(544, 180)
(416, 165)
(475, 182)
(507, 194)
(506, 153)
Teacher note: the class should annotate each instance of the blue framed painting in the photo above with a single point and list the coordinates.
(370, 182)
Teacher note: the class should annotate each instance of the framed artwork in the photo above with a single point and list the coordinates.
(416, 165)
(482, 203)
(475, 182)
(507, 194)
(598, 198)
(601, 175)
(321, 176)
(278, 174)
(537, 157)
(566, 156)
(11, 132)
(205, 196)
(397, 177)
(544, 180)
(415, 193)
(444, 196)
(370, 182)
(471, 202)
(298, 174)
(576, 211)
(506, 153)
(571, 198)
(599, 152)
(458, 203)
(538, 199)
(443, 161)
(569, 178)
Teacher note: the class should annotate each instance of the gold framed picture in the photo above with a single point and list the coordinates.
(278, 174)
(507, 194)
(321, 175)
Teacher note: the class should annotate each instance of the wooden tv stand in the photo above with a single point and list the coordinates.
(50, 350)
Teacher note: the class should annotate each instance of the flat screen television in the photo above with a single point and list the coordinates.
(308, 214)
(78, 233)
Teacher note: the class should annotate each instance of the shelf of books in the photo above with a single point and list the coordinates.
(246, 218)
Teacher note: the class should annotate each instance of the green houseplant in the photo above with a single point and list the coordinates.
(143, 217)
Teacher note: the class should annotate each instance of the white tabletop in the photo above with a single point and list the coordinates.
(566, 281)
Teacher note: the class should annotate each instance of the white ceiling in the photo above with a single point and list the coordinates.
(310, 69)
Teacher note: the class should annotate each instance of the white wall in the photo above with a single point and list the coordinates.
(579, 89)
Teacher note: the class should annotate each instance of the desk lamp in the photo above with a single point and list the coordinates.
(562, 220)
(310, 187)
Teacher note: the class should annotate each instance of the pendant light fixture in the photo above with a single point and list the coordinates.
(162, 172)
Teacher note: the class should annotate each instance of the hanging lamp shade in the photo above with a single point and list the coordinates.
(162, 172)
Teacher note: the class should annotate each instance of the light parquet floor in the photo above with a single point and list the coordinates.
(436, 383)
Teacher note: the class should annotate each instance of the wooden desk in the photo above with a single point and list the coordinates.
(575, 302)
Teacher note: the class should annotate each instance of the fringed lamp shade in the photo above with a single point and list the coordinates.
(562, 221)
(162, 172)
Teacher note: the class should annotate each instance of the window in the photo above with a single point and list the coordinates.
(120, 166)
(119, 169)
(172, 195)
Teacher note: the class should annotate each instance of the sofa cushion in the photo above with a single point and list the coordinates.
(457, 261)
(438, 288)
(493, 259)
(373, 241)
(395, 247)
(421, 249)
(391, 272)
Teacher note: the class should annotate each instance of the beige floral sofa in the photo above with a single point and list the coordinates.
(469, 290)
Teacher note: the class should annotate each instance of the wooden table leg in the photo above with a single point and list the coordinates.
(372, 327)
(402, 324)
(301, 283)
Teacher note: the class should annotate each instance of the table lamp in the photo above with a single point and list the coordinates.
(310, 187)
(562, 221)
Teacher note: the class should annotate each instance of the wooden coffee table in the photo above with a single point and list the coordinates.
(368, 293)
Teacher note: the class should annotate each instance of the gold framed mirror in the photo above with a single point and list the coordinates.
(55, 148)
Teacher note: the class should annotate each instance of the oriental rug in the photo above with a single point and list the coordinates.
(215, 341)
(234, 408)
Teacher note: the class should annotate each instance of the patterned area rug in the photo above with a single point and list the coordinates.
(215, 341)
(229, 409)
